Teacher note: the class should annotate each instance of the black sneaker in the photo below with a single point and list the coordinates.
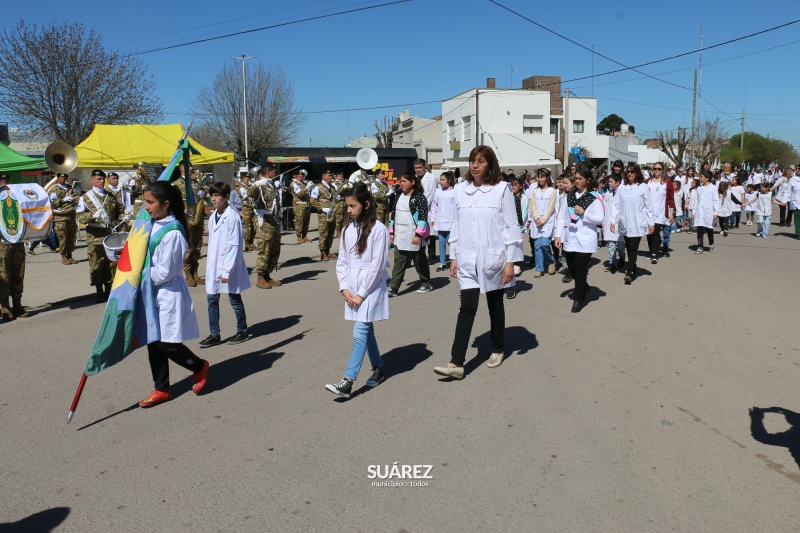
(211, 340)
(567, 278)
(239, 338)
(376, 378)
(392, 293)
(510, 293)
(343, 388)
(621, 264)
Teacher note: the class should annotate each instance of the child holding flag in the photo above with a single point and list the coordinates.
(177, 320)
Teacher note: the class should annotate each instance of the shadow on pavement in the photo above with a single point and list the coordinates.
(112, 415)
(593, 294)
(301, 276)
(789, 439)
(518, 341)
(396, 361)
(274, 325)
(41, 522)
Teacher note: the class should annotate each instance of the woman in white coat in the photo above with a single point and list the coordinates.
(705, 211)
(361, 271)
(226, 271)
(485, 242)
(576, 231)
(632, 216)
(177, 321)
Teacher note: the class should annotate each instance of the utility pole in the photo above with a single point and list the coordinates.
(694, 116)
(244, 100)
(592, 69)
(478, 139)
(566, 129)
(741, 140)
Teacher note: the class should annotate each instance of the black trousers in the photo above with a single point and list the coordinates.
(786, 215)
(578, 265)
(654, 239)
(159, 352)
(466, 316)
(632, 247)
(723, 223)
(433, 247)
(708, 231)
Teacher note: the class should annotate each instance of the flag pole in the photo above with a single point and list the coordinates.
(77, 398)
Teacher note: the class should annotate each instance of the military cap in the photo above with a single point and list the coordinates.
(112, 175)
(62, 175)
(98, 172)
(4, 177)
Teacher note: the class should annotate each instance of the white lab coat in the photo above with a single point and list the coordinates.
(582, 235)
(725, 205)
(485, 235)
(225, 257)
(611, 207)
(706, 206)
(365, 275)
(794, 193)
(442, 209)
(429, 186)
(658, 195)
(177, 320)
(633, 211)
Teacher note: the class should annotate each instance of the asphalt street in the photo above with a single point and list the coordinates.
(644, 412)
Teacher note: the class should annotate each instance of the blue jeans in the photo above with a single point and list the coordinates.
(238, 309)
(363, 341)
(444, 238)
(542, 253)
(666, 234)
(763, 224)
(613, 248)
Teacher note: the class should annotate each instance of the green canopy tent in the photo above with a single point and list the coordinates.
(14, 163)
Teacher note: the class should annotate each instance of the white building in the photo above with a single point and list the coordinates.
(364, 142)
(649, 156)
(517, 124)
(422, 134)
(583, 133)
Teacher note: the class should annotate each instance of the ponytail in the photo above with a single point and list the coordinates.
(165, 192)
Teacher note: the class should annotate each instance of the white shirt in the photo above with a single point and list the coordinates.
(658, 195)
(443, 208)
(485, 235)
(580, 236)
(633, 213)
(725, 204)
(366, 274)
(794, 193)
(738, 192)
(177, 320)
(611, 207)
(225, 258)
(764, 204)
(706, 206)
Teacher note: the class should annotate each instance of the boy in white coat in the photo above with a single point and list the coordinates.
(225, 268)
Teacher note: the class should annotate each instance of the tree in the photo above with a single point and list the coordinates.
(710, 137)
(58, 82)
(759, 150)
(384, 132)
(674, 146)
(272, 118)
(613, 123)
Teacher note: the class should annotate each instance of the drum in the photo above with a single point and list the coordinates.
(25, 213)
(114, 244)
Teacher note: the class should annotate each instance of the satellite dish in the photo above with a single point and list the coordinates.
(367, 158)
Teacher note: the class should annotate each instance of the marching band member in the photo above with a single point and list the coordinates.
(99, 211)
(64, 200)
(249, 224)
(12, 273)
(264, 196)
(300, 199)
(323, 197)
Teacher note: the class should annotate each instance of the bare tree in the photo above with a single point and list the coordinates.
(272, 118)
(711, 137)
(674, 146)
(58, 81)
(384, 132)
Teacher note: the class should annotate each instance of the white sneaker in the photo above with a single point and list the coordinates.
(495, 360)
(450, 371)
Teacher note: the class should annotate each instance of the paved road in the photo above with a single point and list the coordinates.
(633, 415)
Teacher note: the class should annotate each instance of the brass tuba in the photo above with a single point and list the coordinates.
(61, 158)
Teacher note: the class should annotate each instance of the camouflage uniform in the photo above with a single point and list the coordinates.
(380, 193)
(342, 187)
(137, 193)
(66, 224)
(195, 217)
(302, 212)
(249, 220)
(264, 199)
(12, 275)
(323, 197)
(101, 269)
(117, 194)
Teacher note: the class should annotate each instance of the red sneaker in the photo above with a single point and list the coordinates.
(200, 379)
(155, 398)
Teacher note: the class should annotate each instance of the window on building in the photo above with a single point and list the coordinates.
(466, 128)
(532, 123)
(451, 126)
(555, 128)
(577, 126)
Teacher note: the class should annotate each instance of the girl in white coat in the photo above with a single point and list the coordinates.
(225, 268)
(632, 216)
(361, 271)
(441, 215)
(705, 211)
(177, 321)
(616, 244)
(576, 231)
(485, 242)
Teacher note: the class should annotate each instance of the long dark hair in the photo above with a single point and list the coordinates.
(591, 184)
(495, 176)
(164, 191)
(366, 220)
(638, 172)
(410, 176)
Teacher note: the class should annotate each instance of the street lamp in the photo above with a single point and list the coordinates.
(244, 100)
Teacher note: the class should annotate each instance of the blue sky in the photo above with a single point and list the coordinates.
(428, 50)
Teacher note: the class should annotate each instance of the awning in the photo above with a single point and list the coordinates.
(11, 160)
(124, 146)
(310, 159)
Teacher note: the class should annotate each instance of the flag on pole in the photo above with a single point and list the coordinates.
(125, 326)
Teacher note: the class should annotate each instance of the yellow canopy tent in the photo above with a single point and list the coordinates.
(124, 146)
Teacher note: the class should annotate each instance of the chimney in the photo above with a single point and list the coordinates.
(491, 83)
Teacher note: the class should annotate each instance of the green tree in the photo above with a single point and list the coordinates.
(614, 123)
(759, 150)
